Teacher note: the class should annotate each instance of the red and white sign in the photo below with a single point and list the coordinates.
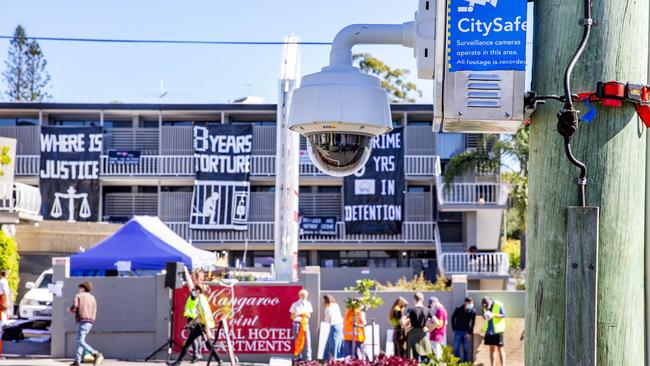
(258, 323)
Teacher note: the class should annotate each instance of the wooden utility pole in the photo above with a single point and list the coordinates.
(613, 149)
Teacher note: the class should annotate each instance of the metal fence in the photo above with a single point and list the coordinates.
(475, 264)
(262, 232)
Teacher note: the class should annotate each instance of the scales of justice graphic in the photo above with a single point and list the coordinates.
(71, 194)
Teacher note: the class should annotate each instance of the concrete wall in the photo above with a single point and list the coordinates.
(132, 314)
(61, 236)
(340, 278)
(513, 301)
(482, 228)
(488, 229)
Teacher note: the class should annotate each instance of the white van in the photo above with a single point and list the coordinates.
(37, 302)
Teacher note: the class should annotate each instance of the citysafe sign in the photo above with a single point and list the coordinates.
(486, 35)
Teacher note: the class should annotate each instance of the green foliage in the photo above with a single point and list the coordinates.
(366, 298)
(25, 76)
(448, 359)
(5, 159)
(392, 80)
(508, 153)
(513, 248)
(418, 283)
(9, 260)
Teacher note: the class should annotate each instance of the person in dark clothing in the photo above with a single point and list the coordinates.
(399, 335)
(462, 323)
(417, 342)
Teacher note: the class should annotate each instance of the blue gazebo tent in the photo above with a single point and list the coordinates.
(144, 243)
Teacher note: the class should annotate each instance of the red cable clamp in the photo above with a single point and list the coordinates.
(612, 93)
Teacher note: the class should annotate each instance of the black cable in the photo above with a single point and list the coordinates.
(587, 23)
(158, 41)
(568, 117)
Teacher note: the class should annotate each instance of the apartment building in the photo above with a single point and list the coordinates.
(439, 224)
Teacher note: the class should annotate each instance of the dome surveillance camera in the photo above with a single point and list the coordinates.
(340, 110)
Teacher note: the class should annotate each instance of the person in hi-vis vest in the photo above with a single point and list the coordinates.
(354, 336)
(495, 325)
(190, 313)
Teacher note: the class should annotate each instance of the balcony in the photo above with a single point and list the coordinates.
(471, 196)
(168, 151)
(475, 265)
(413, 234)
(19, 202)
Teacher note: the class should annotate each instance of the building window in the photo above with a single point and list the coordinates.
(449, 144)
(419, 189)
(18, 121)
(262, 188)
(75, 123)
(329, 189)
(118, 124)
(177, 189)
(359, 258)
(176, 123)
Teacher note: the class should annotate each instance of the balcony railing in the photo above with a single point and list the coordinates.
(262, 232)
(27, 165)
(151, 165)
(480, 194)
(20, 198)
(183, 165)
(475, 264)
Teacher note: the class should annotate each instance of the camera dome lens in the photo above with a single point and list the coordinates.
(339, 154)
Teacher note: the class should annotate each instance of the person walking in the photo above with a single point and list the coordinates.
(300, 312)
(462, 323)
(334, 345)
(84, 307)
(354, 333)
(494, 327)
(417, 317)
(201, 326)
(439, 332)
(190, 312)
(396, 313)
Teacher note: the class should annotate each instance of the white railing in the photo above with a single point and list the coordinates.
(20, 198)
(422, 232)
(475, 264)
(182, 165)
(424, 165)
(472, 193)
(263, 165)
(27, 165)
(152, 165)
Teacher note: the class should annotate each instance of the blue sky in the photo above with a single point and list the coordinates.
(90, 72)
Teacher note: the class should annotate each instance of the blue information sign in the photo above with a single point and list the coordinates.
(486, 35)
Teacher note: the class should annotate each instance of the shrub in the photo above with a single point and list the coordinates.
(418, 283)
(366, 298)
(448, 359)
(513, 248)
(9, 260)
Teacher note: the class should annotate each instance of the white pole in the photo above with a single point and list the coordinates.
(286, 170)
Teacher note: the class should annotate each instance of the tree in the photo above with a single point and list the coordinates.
(25, 76)
(9, 260)
(495, 152)
(392, 80)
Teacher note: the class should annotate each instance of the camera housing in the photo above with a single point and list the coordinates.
(340, 110)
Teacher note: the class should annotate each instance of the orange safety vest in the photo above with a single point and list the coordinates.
(353, 317)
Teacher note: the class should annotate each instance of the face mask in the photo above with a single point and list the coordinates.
(194, 293)
(470, 306)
